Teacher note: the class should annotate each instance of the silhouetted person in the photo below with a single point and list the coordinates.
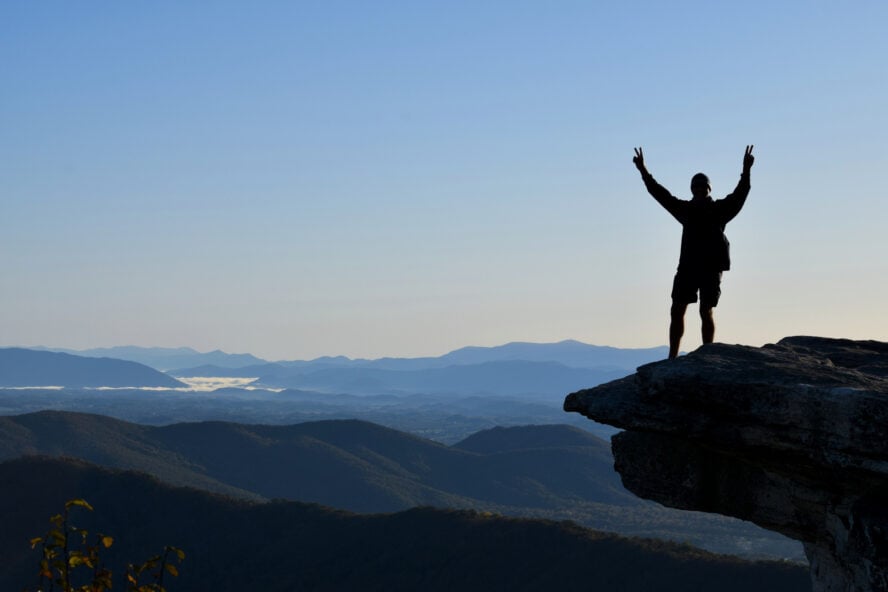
(704, 246)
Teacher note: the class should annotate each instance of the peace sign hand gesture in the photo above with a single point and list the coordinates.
(748, 159)
(638, 159)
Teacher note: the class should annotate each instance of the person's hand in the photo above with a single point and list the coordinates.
(638, 159)
(748, 159)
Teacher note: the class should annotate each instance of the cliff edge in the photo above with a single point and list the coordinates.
(790, 436)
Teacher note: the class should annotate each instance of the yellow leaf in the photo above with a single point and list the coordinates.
(107, 541)
(78, 502)
(172, 569)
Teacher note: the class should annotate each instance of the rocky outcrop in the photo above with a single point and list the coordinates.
(790, 436)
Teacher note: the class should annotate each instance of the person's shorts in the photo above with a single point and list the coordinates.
(688, 282)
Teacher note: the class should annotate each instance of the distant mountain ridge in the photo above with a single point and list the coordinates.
(504, 377)
(571, 353)
(165, 358)
(28, 368)
(512, 369)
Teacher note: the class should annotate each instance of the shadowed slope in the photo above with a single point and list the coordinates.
(344, 463)
(236, 545)
(539, 471)
(502, 439)
(104, 441)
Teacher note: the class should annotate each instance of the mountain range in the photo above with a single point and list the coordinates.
(164, 358)
(571, 353)
(538, 471)
(515, 369)
(508, 377)
(543, 471)
(281, 546)
(347, 464)
(29, 368)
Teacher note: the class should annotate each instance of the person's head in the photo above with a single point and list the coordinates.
(700, 185)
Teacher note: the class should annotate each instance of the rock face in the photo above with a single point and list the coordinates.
(789, 436)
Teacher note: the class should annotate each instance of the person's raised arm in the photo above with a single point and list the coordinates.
(657, 191)
(734, 202)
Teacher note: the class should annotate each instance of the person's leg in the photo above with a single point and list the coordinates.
(707, 323)
(684, 292)
(676, 328)
(710, 292)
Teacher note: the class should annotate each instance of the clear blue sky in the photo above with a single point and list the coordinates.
(296, 179)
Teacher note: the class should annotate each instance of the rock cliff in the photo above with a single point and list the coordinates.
(790, 436)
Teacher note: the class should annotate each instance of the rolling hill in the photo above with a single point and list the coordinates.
(347, 464)
(537, 471)
(282, 546)
(443, 418)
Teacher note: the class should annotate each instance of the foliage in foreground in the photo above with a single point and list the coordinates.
(71, 560)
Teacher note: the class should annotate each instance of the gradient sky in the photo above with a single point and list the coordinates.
(296, 179)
